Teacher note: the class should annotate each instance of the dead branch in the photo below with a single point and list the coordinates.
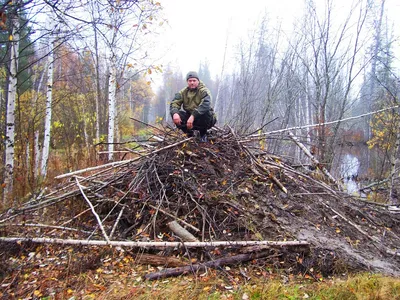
(112, 165)
(121, 163)
(232, 260)
(152, 244)
(185, 235)
(314, 160)
(117, 221)
(368, 236)
(373, 185)
(93, 211)
(222, 190)
(256, 136)
(265, 170)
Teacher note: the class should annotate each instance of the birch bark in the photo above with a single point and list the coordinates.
(36, 154)
(10, 114)
(111, 105)
(98, 92)
(47, 122)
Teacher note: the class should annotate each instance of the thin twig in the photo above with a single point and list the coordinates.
(93, 210)
(250, 138)
(121, 163)
(117, 221)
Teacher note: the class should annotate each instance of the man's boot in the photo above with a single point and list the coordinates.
(204, 139)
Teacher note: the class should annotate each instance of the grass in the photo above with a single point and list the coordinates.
(361, 286)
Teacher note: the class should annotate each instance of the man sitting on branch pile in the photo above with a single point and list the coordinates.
(191, 108)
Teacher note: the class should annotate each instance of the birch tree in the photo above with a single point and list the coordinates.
(112, 84)
(123, 36)
(11, 100)
(49, 95)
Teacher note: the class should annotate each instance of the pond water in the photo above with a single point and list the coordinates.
(352, 166)
(349, 170)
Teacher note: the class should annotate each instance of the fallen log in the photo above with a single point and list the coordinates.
(232, 260)
(151, 244)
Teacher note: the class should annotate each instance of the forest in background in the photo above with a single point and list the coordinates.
(74, 73)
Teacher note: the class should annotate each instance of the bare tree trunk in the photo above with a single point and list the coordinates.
(112, 83)
(47, 122)
(98, 92)
(35, 164)
(393, 195)
(10, 116)
(36, 155)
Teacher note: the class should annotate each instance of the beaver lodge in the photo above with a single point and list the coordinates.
(189, 206)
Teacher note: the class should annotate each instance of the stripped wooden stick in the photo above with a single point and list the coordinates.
(117, 221)
(256, 136)
(181, 232)
(314, 160)
(153, 244)
(93, 210)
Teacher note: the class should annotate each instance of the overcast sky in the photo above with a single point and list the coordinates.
(198, 30)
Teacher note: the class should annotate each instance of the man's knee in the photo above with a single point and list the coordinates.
(212, 120)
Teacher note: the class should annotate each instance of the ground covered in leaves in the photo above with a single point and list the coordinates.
(76, 272)
(227, 189)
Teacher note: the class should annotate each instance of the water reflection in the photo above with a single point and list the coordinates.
(351, 165)
(349, 170)
(358, 166)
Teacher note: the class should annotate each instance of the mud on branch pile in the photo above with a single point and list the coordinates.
(221, 196)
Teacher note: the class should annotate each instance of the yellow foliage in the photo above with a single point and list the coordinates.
(384, 127)
(57, 124)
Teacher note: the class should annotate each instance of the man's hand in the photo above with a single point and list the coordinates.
(177, 119)
(189, 123)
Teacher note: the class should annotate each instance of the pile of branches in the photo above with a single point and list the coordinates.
(225, 201)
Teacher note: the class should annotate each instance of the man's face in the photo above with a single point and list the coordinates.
(193, 83)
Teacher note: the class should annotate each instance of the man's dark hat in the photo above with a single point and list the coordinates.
(192, 74)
